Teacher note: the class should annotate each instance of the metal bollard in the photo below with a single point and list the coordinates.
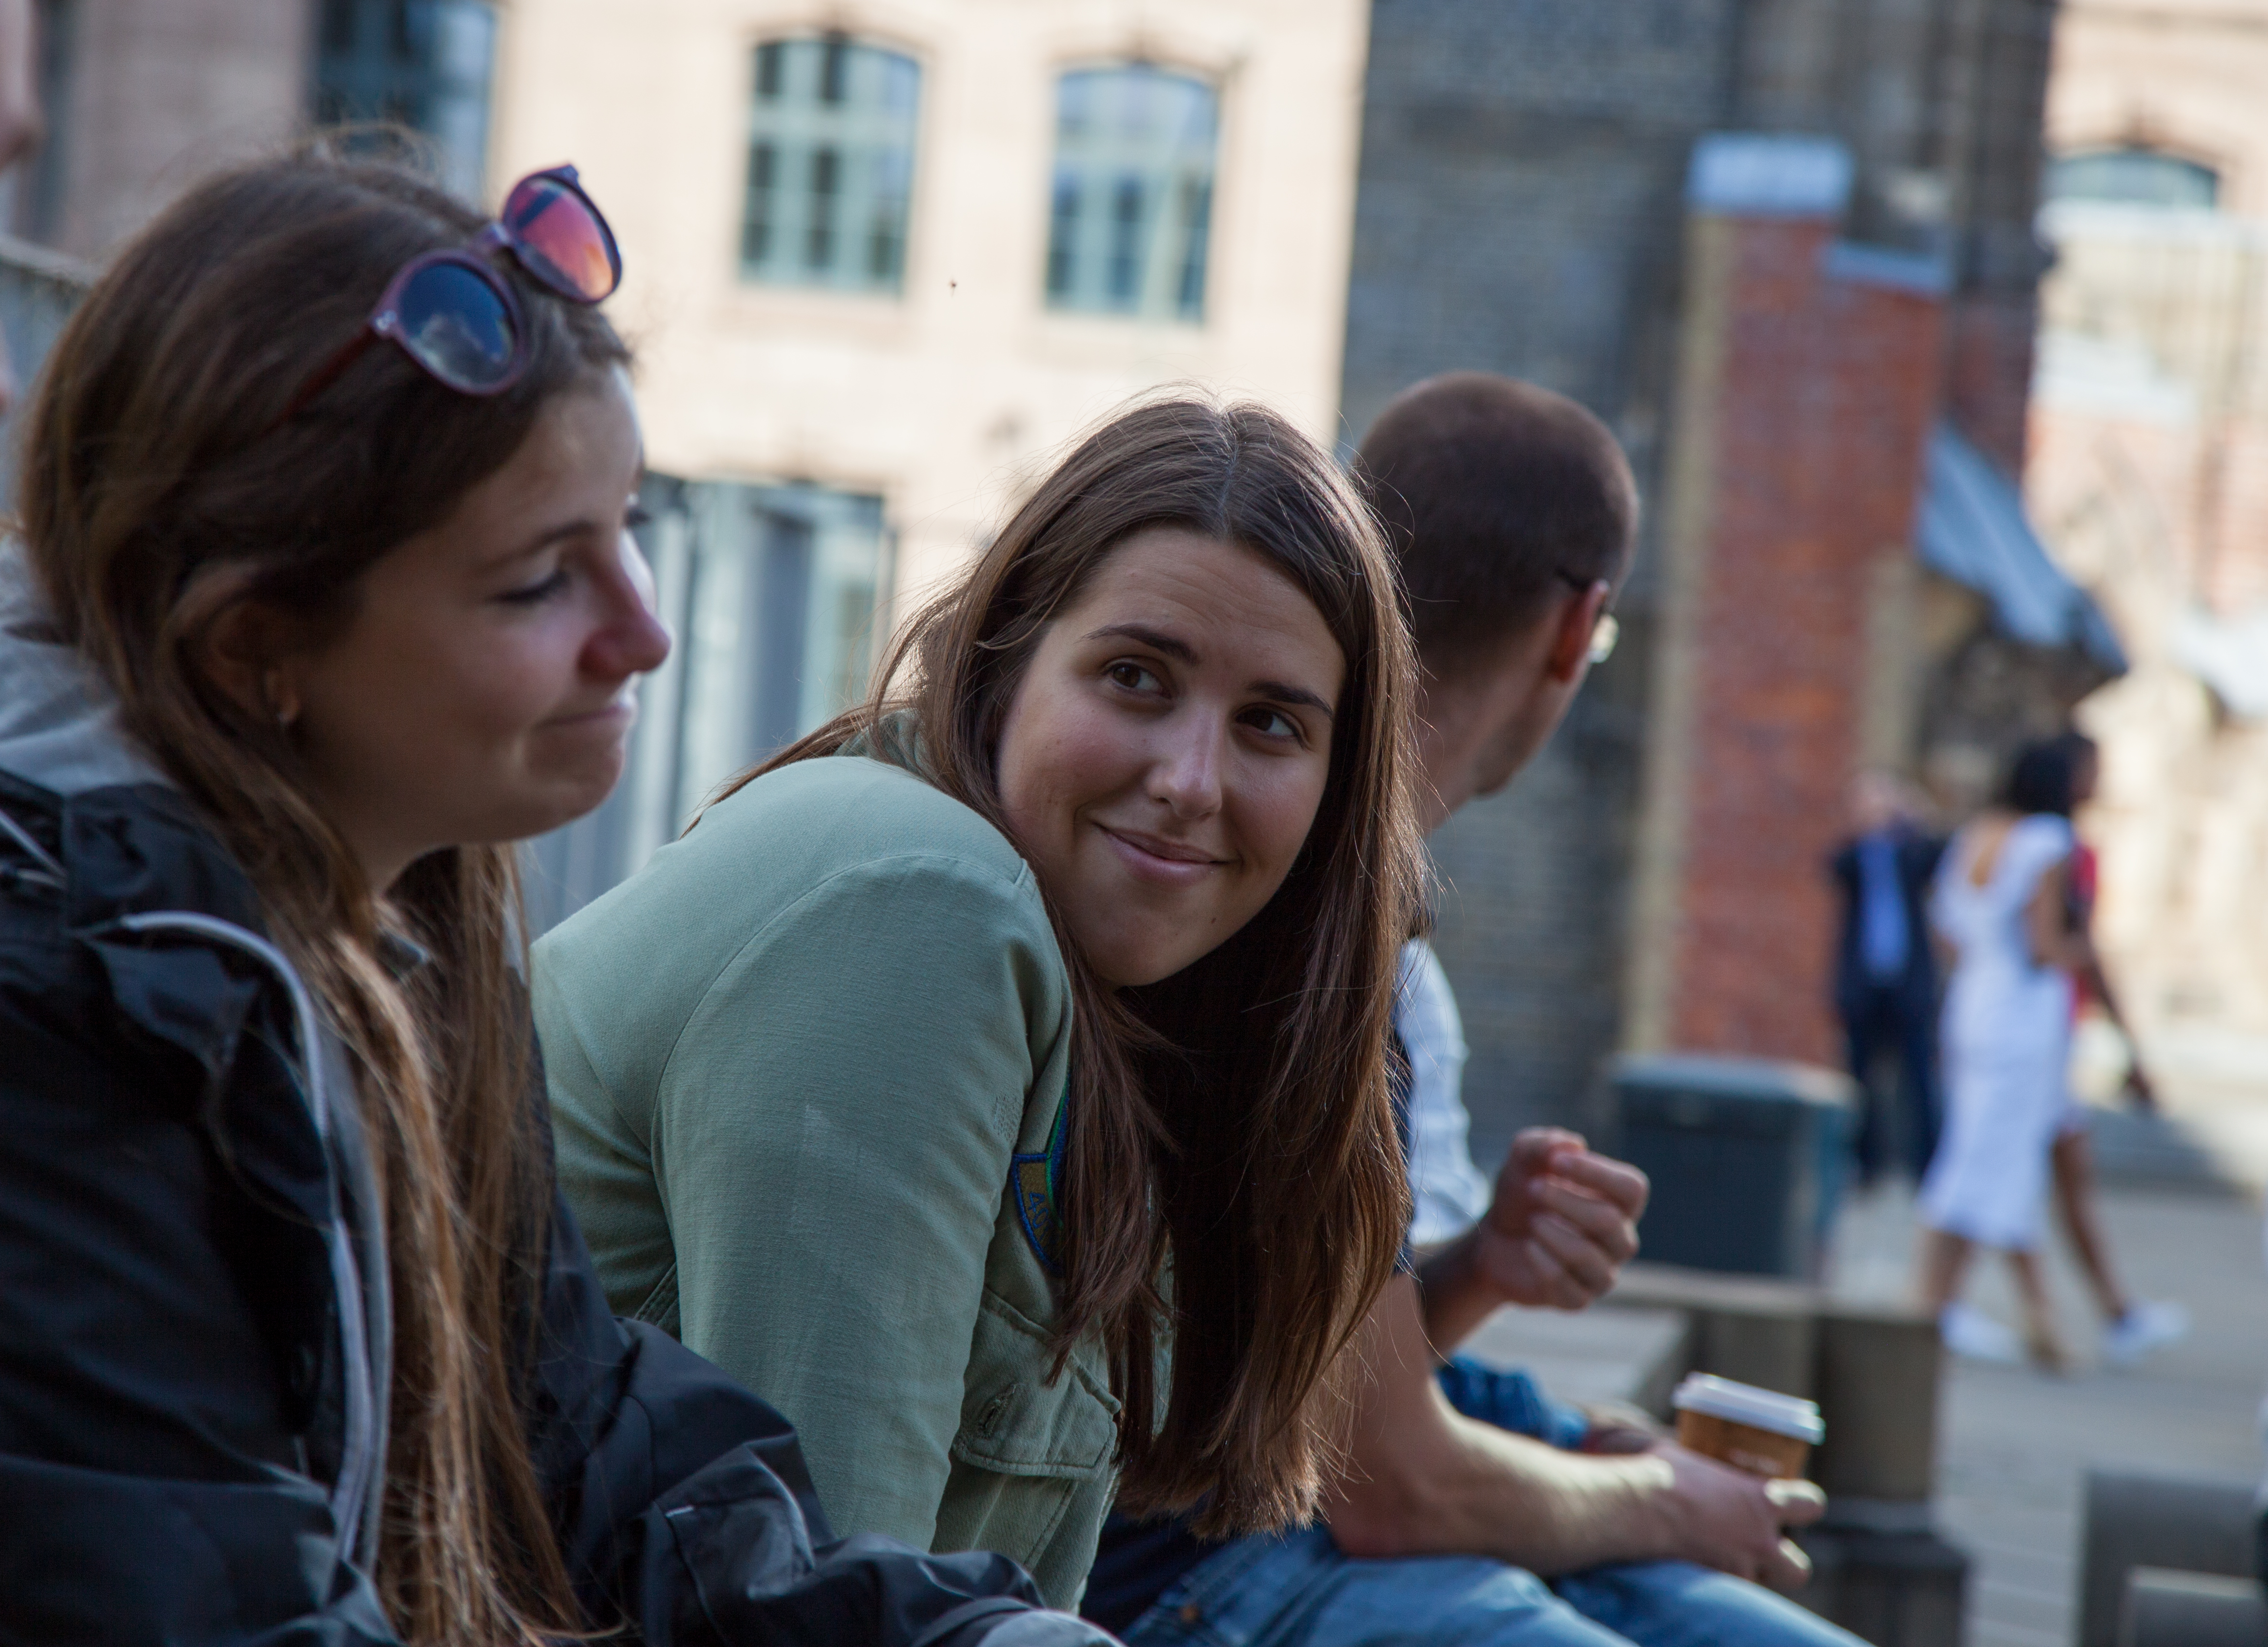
(2186, 1523)
(2165, 1608)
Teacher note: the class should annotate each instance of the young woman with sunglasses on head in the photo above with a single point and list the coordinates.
(319, 606)
(997, 1080)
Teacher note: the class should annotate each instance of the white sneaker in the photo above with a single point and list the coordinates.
(1976, 1336)
(2143, 1329)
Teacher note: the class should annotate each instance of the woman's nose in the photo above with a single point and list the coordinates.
(629, 640)
(1187, 774)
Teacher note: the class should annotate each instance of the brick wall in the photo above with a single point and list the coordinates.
(1988, 370)
(1810, 381)
(1518, 197)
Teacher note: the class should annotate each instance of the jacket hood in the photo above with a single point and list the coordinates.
(59, 720)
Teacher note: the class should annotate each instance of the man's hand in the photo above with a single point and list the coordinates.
(1728, 1520)
(1563, 1222)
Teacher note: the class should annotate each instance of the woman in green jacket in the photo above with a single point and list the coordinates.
(996, 1080)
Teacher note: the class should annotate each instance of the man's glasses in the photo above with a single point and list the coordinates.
(1608, 630)
(455, 314)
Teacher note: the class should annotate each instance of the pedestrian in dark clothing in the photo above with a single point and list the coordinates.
(1886, 985)
(323, 599)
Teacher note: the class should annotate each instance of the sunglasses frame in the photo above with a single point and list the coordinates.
(476, 256)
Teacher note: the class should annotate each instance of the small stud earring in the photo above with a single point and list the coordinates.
(279, 702)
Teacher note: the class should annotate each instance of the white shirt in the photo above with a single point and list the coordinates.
(1447, 1190)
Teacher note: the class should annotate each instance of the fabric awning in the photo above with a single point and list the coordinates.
(1973, 529)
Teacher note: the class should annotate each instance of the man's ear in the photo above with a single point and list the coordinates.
(1571, 639)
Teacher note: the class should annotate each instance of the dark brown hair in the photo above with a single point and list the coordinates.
(1489, 489)
(1234, 1121)
(159, 491)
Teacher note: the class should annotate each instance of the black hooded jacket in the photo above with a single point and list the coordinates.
(193, 1330)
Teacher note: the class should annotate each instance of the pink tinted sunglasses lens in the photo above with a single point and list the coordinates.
(567, 243)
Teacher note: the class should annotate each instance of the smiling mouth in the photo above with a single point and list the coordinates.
(1171, 857)
(625, 706)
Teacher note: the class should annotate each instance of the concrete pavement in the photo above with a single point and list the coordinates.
(2013, 1443)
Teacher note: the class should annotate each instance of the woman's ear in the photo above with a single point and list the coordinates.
(244, 650)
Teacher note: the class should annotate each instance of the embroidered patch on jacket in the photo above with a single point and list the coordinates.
(1036, 1181)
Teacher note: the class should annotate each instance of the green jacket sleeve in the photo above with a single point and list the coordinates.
(831, 1140)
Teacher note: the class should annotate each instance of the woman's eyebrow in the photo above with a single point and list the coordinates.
(1156, 640)
(1284, 693)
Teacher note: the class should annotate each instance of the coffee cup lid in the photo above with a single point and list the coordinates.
(1746, 1404)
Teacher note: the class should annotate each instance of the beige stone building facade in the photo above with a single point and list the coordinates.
(2149, 475)
(884, 259)
(939, 395)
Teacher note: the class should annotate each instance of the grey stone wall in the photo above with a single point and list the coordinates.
(1518, 206)
(1519, 210)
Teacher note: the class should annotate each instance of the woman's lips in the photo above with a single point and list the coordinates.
(616, 713)
(1166, 863)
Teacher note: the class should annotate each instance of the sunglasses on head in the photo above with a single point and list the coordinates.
(455, 314)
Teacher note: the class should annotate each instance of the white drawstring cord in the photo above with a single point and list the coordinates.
(23, 838)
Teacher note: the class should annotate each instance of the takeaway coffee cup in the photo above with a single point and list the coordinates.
(1761, 1431)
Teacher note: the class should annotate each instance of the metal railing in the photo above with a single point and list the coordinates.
(39, 289)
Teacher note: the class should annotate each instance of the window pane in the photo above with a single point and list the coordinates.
(756, 220)
(1130, 216)
(1063, 235)
(819, 247)
(830, 165)
(2140, 177)
(424, 64)
(781, 623)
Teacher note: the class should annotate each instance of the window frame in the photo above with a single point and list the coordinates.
(2173, 159)
(1218, 80)
(849, 241)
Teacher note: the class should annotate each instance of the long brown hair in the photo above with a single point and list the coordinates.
(1231, 1125)
(159, 491)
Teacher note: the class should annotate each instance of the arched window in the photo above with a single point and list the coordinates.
(2133, 177)
(1130, 211)
(830, 165)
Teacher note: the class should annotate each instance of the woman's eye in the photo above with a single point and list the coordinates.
(1133, 677)
(1273, 724)
(531, 594)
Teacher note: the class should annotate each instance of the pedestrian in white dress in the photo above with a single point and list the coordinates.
(2000, 905)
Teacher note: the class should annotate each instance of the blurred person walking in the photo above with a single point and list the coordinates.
(2003, 908)
(1886, 982)
(2132, 1327)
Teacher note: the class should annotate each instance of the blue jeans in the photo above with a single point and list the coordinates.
(1299, 1590)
